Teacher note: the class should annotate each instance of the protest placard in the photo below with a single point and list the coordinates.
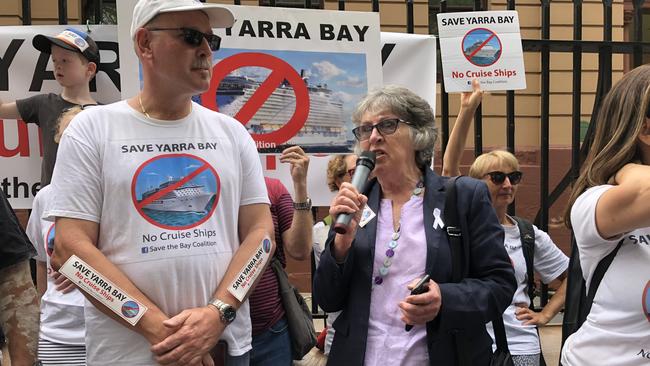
(482, 45)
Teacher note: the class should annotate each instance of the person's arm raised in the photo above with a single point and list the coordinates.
(297, 239)
(469, 102)
(624, 207)
(9, 110)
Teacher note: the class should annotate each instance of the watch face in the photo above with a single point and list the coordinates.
(229, 314)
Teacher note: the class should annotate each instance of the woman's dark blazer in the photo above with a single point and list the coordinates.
(466, 306)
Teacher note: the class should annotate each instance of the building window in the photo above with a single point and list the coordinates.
(99, 12)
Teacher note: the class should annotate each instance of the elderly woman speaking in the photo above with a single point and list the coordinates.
(369, 272)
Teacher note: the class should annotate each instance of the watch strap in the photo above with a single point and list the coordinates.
(300, 206)
(223, 309)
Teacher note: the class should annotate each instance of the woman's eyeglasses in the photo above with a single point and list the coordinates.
(194, 37)
(500, 177)
(385, 127)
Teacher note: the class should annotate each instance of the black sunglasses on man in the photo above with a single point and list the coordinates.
(194, 37)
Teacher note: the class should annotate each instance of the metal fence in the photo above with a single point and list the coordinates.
(605, 49)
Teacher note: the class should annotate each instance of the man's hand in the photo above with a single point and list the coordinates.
(62, 283)
(195, 332)
(423, 308)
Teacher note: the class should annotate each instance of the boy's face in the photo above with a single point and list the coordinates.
(70, 68)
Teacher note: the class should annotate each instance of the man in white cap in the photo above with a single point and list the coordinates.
(165, 200)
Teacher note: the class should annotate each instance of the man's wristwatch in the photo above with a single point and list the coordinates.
(226, 312)
(300, 206)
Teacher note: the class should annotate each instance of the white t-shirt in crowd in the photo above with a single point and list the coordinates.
(62, 315)
(617, 330)
(167, 196)
(549, 262)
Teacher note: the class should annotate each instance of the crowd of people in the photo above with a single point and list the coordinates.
(403, 283)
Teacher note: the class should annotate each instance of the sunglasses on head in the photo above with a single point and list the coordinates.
(500, 177)
(194, 37)
(385, 127)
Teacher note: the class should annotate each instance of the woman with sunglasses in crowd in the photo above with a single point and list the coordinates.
(501, 172)
(609, 213)
(369, 271)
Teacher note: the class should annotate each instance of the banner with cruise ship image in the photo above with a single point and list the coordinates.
(291, 76)
(482, 45)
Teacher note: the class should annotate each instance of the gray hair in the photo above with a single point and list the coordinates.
(409, 107)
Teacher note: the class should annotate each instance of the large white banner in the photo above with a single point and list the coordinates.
(291, 76)
(25, 72)
(408, 60)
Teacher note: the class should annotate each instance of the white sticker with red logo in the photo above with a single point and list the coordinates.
(105, 291)
(244, 281)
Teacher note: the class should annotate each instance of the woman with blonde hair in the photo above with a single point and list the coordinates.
(610, 215)
(501, 173)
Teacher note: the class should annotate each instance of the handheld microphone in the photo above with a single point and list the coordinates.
(365, 165)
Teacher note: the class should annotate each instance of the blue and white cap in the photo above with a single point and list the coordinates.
(70, 39)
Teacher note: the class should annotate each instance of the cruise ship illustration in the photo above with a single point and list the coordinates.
(186, 198)
(487, 51)
(325, 124)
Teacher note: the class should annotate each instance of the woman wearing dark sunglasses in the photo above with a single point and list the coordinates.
(369, 272)
(501, 172)
(609, 213)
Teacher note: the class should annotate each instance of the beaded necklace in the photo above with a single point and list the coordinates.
(393, 243)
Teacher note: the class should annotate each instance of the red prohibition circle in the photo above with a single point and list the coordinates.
(469, 59)
(156, 223)
(47, 240)
(280, 70)
(645, 301)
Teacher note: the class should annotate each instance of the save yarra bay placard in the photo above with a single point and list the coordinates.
(482, 45)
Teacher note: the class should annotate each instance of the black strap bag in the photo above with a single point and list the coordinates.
(299, 319)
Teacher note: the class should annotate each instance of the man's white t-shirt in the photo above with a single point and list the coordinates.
(167, 196)
(549, 262)
(617, 330)
(62, 315)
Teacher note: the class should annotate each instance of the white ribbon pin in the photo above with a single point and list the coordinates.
(437, 220)
(366, 216)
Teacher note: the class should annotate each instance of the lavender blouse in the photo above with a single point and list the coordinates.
(388, 343)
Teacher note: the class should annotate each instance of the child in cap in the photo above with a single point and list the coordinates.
(76, 59)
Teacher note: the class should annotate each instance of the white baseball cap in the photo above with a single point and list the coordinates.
(145, 10)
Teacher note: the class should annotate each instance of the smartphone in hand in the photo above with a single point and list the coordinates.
(421, 287)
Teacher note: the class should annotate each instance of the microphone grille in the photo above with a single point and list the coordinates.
(368, 155)
(367, 158)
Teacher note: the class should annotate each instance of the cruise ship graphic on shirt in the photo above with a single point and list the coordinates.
(186, 198)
